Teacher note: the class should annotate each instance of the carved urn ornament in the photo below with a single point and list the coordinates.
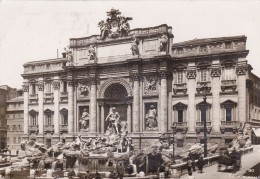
(115, 25)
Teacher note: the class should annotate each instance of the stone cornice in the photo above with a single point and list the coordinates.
(139, 32)
(209, 41)
(193, 57)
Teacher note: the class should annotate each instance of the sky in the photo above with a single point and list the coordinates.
(35, 30)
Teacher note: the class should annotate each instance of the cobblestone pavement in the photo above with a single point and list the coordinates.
(248, 161)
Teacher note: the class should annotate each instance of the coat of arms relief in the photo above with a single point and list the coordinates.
(115, 25)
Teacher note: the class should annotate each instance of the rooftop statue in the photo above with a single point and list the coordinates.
(115, 25)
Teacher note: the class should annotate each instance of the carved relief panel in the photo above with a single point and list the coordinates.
(83, 89)
(150, 84)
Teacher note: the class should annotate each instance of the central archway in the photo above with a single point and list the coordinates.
(115, 96)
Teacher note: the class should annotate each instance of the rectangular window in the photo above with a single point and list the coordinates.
(229, 73)
(65, 119)
(14, 140)
(64, 86)
(19, 140)
(14, 127)
(180, 115)
(203, 76)
(48, 119)
(180, 77)
(48, 87)
(33, 89)
(19, 128)
(228, 114)
(33, 120)
(203, 115)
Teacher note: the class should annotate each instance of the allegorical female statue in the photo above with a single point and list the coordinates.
(84, 120)
(151, 118)
(113, 119)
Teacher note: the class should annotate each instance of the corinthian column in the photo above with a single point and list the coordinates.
(93, 105)
(26, 109)
(163, 102)
(102, 117)
(136, 104)
(70, 107)
(56, 87)
(40, 101)
(129, 110)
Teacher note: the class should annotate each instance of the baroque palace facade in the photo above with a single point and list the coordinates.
(140, 81)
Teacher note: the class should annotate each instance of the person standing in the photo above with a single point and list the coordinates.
(120, 171)
(200, 164)
(192, 157)
(189, 166)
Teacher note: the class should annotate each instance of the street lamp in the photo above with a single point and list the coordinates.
(205, 91)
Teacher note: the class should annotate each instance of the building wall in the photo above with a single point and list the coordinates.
(15, 123)
(169, 79)
(3, 97)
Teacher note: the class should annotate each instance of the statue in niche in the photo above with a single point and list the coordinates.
(163, 42)
(134, 47)
(151, 119)
(84, 120)
(112, 118)
(84, 90)
(150, 85)
(92, 52)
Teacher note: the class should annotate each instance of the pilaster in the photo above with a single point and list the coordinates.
(93, 104)
(215, 87)
(26, 108)
(241, 72)
(40, 102)
(56, 119)
(136, 103)
(70, 107)
(191, 87)
(163, 101)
